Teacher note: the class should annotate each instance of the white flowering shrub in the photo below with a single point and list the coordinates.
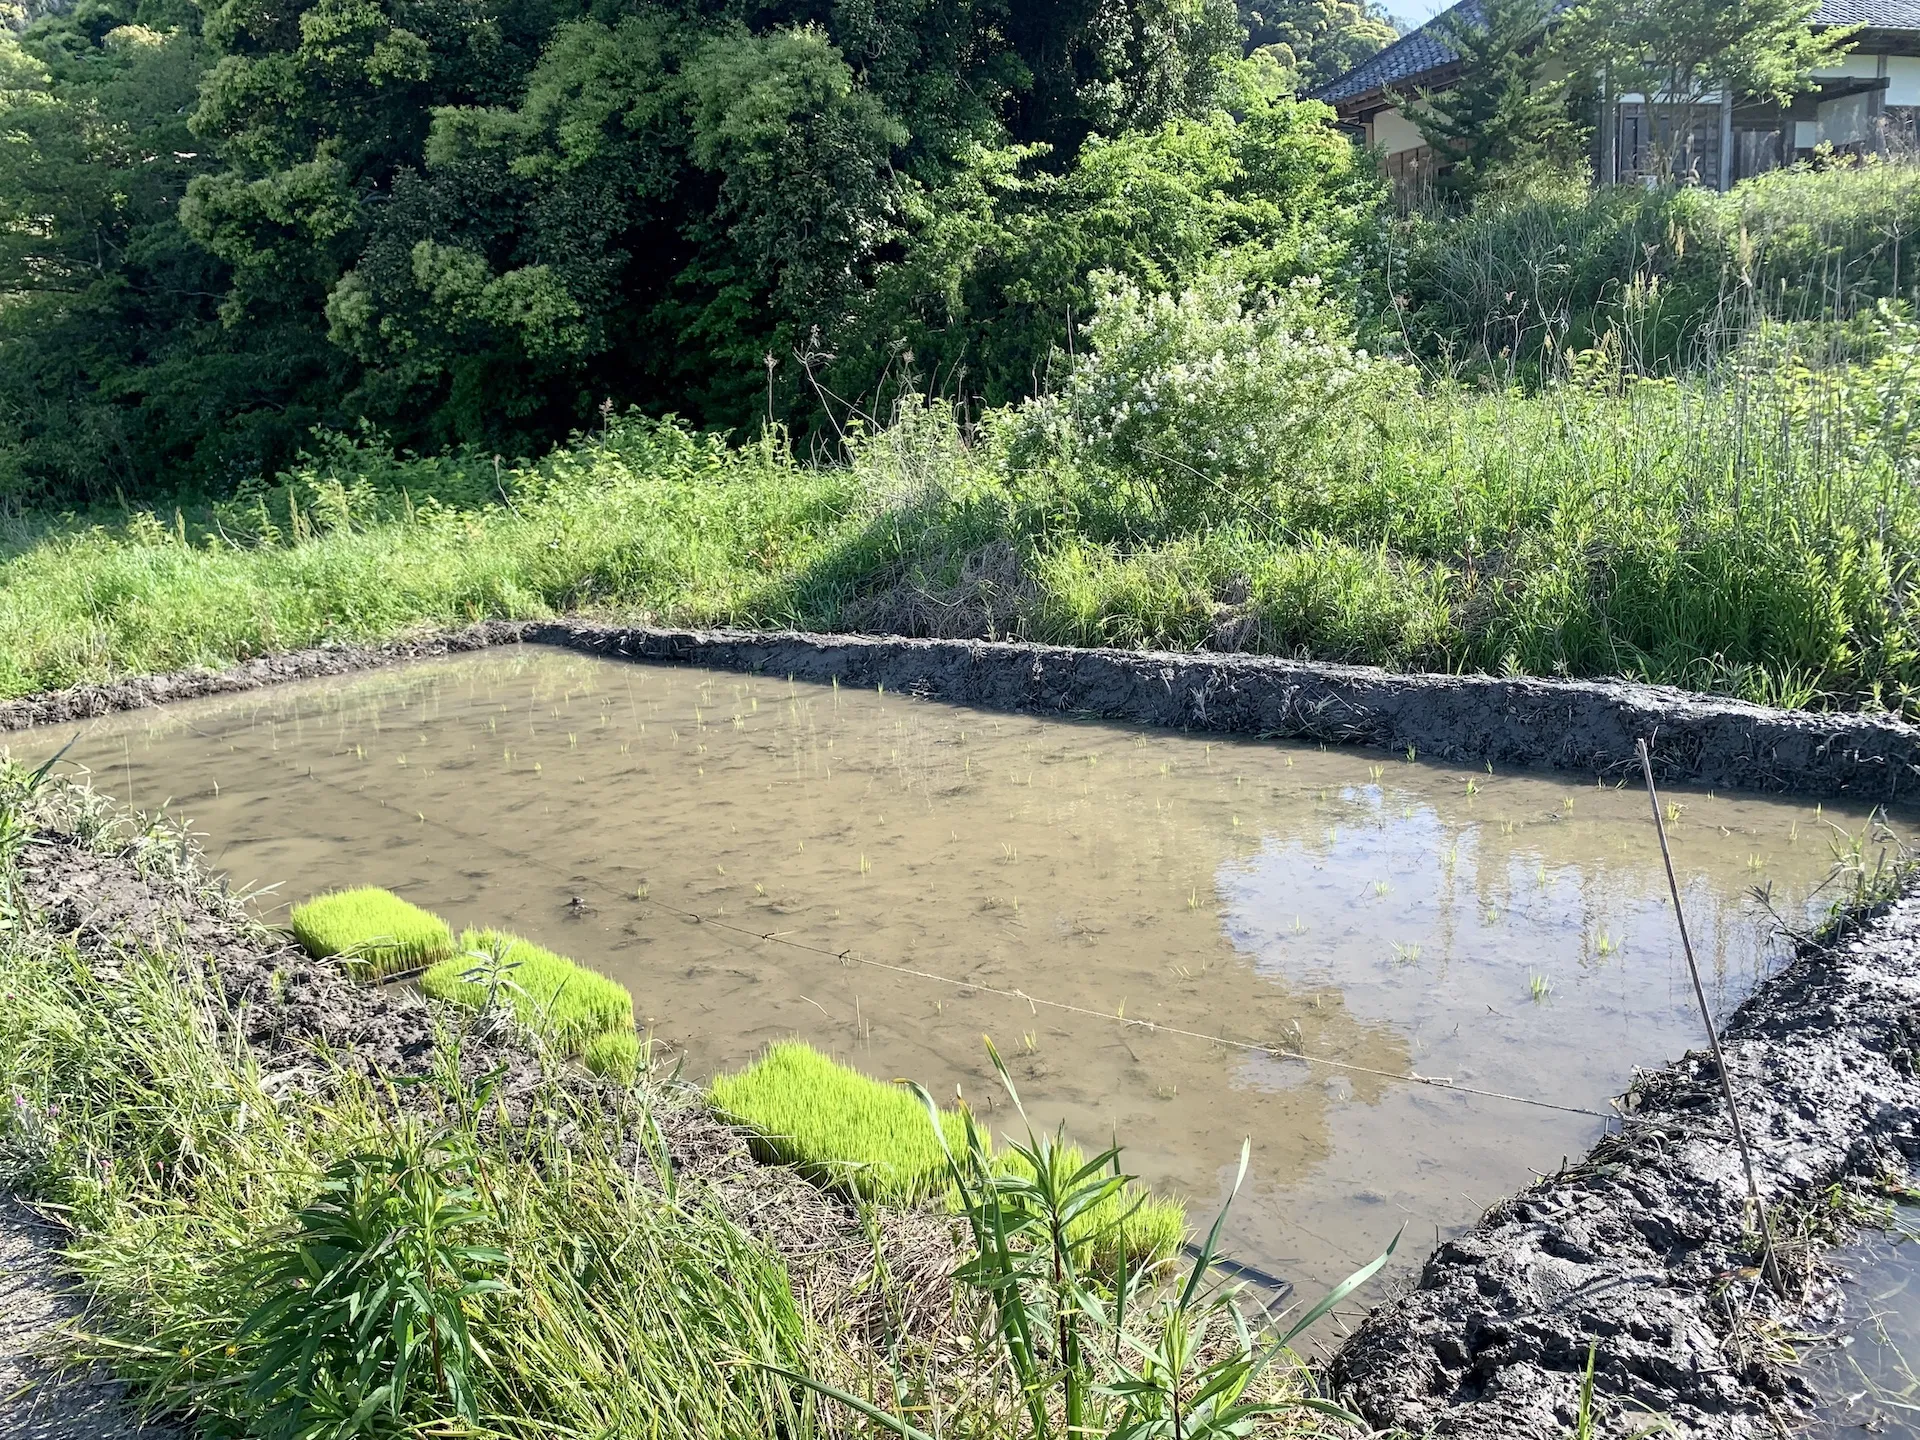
(1212, 393)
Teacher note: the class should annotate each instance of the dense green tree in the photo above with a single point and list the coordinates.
(1507, 111)
(475, 222)
(1318, 39)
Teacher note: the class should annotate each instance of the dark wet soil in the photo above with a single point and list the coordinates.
(1587, 726)
(1643, 1250)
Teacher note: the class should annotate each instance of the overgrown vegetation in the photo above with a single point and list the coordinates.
(374, 931)
(1748, 526)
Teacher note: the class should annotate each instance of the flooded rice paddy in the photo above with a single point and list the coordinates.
(1138, 918)
(1865, 1372)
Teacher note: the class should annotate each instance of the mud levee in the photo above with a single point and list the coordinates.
(1585, 726)
(1641, 1250)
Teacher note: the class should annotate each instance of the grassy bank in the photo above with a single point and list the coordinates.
(1229, 468)
(279, 1239)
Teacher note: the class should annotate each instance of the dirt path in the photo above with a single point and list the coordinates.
(39, 1400)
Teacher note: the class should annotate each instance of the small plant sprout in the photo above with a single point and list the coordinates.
(1755, 862)
(1374, 772)
(1193, 899)
(758, 888)
(1380, 888)
(1605, 944)
(1410, 754)
(1298, 927)
(1473, 787)
(1408, 953)
(865, 865)
(1673, 809)
(1567, 804)
(1540, 987)
(1030, 1039)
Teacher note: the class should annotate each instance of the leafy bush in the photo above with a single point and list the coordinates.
(365, 1326)
(372, 930)
(1216, 393)
(562, 1001)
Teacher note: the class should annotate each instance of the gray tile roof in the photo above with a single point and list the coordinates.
(1415, 55)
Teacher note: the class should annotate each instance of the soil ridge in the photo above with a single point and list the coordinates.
(1644, 1250)
(1585, 726)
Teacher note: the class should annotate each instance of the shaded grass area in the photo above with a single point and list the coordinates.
(876, 1140)
(562, 1001)
(1752, 533)
(372, 929)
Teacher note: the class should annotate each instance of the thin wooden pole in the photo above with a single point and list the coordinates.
(1767, 1260)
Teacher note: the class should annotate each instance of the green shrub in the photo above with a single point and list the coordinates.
(562, 1001)
(373, 930)
(847, 1129)
(614, 1054)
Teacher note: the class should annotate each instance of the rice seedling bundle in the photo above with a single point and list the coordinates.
(556, 998)
(374, 931)
(614, 1054)
(839, 1126)
(847, 1129)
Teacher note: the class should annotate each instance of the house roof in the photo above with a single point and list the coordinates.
(1423, 51)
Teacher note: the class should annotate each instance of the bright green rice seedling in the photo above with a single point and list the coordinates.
(614, 1054)
(554, 997)
(845, 1128)
(374, 930)
(839, 1126)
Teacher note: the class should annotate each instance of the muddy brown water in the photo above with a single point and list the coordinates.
(1130, 914)
(1865, 1364)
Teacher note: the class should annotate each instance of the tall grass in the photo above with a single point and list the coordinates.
(180, 1166)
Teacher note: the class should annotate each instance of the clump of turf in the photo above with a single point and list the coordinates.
(614, 1054)
(374, 931)
(839, 1126)
(847, 1129)
(568, 1004)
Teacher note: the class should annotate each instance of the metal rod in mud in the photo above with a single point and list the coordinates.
(1768, 1263)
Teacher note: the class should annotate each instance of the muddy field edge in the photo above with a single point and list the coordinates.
(1582, 726)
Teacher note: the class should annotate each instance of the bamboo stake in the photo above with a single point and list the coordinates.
(1768, 1262)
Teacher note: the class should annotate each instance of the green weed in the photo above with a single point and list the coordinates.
(374, 931)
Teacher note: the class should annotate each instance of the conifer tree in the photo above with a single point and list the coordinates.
(1505, 113)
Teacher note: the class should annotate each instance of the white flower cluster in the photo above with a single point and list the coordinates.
(1215, 389)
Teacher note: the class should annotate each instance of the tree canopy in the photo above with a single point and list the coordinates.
(476, 222)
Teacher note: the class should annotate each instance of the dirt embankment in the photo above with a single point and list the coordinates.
(1587, 726)
(1642, 1249)
(290, 1008)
